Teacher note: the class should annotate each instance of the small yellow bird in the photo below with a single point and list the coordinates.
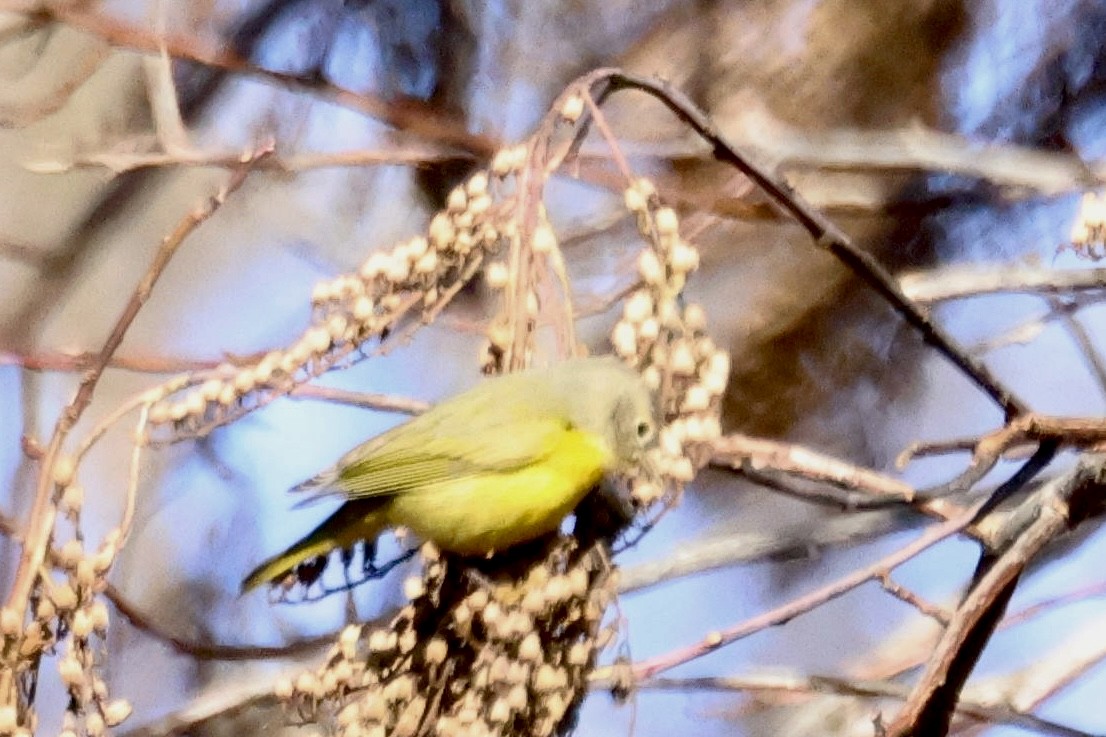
(490, 468)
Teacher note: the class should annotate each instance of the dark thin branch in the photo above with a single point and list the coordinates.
(836, 686)
(1055, 508)
(822, 231)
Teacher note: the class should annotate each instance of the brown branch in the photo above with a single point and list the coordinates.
(78, 362)
(735, 449)
(1069, 432)
(365, 400)
(119, 162)
(213, 704)
(807, 602)
(699, 556)
(1056, 507)
(41, 522)
(212, 651)
(961, 282)
(905, 595)
(408, 114)
(836, 686)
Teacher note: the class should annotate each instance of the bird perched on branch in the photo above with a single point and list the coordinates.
(498, 465)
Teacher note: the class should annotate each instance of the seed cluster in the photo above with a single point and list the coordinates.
(1088, 235)
(668, 341)
(472, 654)
(69, 618)
(351, 310)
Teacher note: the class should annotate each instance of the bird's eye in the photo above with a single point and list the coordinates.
(644, 430)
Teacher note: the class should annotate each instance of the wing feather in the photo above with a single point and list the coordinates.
(487, 430)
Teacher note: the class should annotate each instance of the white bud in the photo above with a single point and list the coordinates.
(374, 266)
(64, 468)
(624, 339)
(502, 162)
(638, 307)
(496, 275)
(456, 200)
(427, 263)
(685, 258)
(544, 239)
(650, 267)
(682, 360)
(697, 399)
(116, 712)
(572, 108)
(666, 221)
(530, 648)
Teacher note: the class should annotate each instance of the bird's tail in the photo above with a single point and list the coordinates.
(354, 521)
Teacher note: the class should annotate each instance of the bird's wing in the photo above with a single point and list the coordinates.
(410, 462)
(479, 434)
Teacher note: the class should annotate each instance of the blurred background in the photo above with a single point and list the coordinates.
(935, 132)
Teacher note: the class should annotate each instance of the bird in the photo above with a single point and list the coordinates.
(495, 466)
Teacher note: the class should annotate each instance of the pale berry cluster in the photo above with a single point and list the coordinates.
(421, 274)
(468, 656)
(70, 619)
(1088, 235)
(667, 339)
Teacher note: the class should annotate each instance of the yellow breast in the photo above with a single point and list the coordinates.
(489, 512)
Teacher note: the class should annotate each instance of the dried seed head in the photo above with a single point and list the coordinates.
(500, 711)
(624, 339)
(697, 399)
(308, 684)
(71, 552)
(64, 469)
(695, 317)
(64, 597)
(650, 267)
(578, 654)
(98, 615)
(666, 221)
(635, 201)
(530, 648)
(283, 688)
(682, 359)
(638, 307)
(71, 672)
(94, 724)
(544, 240)
(347, 641)
(407, 641)
(502, 163)
(456, 200)
(413, 587)
(436, 651)
(116, 712)
(517, 698)
(572, 108)
(381, 641)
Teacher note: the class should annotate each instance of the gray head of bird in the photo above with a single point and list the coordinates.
(611, 400)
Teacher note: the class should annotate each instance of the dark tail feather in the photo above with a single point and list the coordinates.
(353, 521)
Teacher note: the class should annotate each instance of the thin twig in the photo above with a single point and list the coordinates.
(961, 282)
(835, 686)
(365, 400)
(807, 602)
(43, 511)
(408, 114)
